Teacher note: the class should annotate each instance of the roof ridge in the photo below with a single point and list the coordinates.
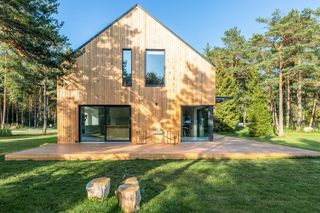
(109, 25)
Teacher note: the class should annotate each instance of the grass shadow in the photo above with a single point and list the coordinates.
(310, 141)
(52, 186)
(18, 145)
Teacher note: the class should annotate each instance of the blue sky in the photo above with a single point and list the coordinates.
(196, 21)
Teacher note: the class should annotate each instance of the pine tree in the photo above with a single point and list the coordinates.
(259, 115)
(227, 113)
(29, 29)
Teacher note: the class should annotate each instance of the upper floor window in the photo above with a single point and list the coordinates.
(154, 66)
(126, 67)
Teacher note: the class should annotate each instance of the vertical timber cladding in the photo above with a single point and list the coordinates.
(97, 79)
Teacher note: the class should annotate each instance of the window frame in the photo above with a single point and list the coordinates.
(145, 68)
(105, 106)
(123, 83)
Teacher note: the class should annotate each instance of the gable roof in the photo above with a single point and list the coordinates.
(138, 6)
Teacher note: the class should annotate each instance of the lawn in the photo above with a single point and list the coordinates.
(304, 140)
(279, 185)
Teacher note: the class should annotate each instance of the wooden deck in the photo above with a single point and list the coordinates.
(222, 147)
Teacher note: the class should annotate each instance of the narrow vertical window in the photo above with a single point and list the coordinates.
(126, 67)
(154, 66)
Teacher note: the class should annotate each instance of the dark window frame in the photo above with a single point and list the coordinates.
(105, 126)
(123, 83)
(194, 105)
(145, 68)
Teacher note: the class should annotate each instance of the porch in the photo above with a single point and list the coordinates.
(221, 147)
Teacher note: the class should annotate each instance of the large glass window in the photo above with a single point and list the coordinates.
(118, 121)
(92, 126)
(154, 67)
(126, 67)
(104, 123)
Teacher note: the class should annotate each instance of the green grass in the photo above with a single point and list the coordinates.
(310, 140)
(279, 185)
(25, 139)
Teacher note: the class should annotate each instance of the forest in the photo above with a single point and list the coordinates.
(33, 55)
(273, 78)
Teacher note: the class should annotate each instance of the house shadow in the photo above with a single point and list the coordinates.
(53, 186)
(301, 143)
(166, 185)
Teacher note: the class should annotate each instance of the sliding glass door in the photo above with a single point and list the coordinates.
(194, 123)
(92, 126)
(202, 122)
(118, 123)
(104, 123)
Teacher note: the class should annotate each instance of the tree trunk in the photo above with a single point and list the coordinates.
(314, 109)
(281, 132)
(7, 110)
(304, 107)
(45, 108)
(288, 103)
(39, 109)
(12, 113)
(22, 119)
(273, 110)
(17, 113)
(48, 109)
(244, 118)
(275, 116)
(1, 117)
(35, 111)
(4, 93)
(29, 110)
(299, 102)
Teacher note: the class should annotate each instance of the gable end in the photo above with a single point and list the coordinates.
(157, 20)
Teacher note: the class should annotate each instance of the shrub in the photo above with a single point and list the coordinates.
(259, 115)
(15, 126)
(5, 132)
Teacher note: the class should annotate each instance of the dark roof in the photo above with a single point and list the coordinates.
(222, 98)
(135, 6)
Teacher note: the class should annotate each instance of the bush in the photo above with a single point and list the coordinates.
(15, 126)
(5, 132)
(259, 115)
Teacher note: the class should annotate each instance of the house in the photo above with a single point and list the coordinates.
(137, 81)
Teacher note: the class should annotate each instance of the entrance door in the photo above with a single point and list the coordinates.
(104, 123)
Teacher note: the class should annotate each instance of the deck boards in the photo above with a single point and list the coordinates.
(222, 147)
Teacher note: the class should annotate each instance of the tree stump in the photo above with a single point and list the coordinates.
(98, 188)
(132, 180)
(129, 196)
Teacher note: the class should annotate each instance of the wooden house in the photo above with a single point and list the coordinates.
(137, 81)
